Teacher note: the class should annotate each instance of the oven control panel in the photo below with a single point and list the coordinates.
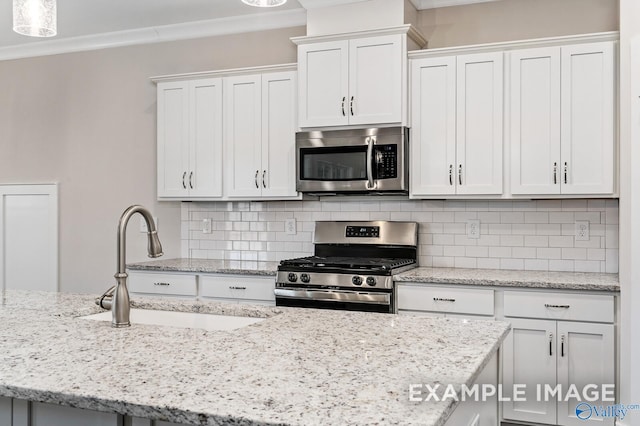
(363, 231)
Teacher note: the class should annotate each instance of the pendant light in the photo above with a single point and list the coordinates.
(264, 3)
(35, 18)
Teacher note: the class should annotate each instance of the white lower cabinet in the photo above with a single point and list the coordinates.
(162, 284)
(445, 301)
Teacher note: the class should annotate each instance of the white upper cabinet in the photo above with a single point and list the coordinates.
(190, 139)
(562, 120)
(456, 108)
(352, 82)
(260, 113)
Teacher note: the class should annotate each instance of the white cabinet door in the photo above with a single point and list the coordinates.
(323, 69)
(278, 176)
(243, 133)
(588, 91)
(375, 79)
(205, 124)
(529, 358)
(535, 121)
(42, 414)
(586, 355)
(433, 136)
(479, 123)
(173, 138)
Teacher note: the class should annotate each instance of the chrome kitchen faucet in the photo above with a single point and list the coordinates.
(117, 297)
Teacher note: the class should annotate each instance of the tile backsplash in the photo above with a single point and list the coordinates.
(520, 235)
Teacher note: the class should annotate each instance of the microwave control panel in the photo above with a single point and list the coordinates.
(386, 157)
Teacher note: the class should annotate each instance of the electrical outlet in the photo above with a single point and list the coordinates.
(206, 226)
(143, 224)
(582, 230)
(290, 227)
(473, 228)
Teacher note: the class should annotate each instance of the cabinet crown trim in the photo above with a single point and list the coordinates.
(518, 44)
(407, 29)
(225, 73)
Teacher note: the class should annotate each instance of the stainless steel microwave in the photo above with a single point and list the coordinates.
(361, 161)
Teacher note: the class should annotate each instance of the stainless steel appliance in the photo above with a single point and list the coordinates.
(345, 161)
(352, 268)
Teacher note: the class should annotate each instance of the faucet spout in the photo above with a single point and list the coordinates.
(120, 305)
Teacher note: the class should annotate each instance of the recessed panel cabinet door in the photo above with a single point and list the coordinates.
(433, 136)
(173, 139)
(588, 134)
(324, 83)
(375, 80)
(243, 135)
(535, 121)
(278, 175)
(529, 358)
(479, 123)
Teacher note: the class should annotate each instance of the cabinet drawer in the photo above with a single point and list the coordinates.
(561, 306)
(237, 287)
(166, 284)
(445, 299)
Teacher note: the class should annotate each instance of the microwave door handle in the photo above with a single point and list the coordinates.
(370, 183)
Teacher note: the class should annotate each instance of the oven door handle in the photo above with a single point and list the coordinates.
(371, 140)
(334, 295)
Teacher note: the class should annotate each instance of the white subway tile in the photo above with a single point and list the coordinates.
(455, 206)
(536, 264)
(443, 262)
(427, 250)
(548, 229)
(548, 205)
(523, 229)
(443, 239)
(574, 253)
(536, 217)
(499, 229)
(443, 217)
(500, 206)
(453, 251)
(549, 253)
(464, 216)
(574, 205)
(612, 261)
(489, 217)
(516, 264)
(593, 242)
(465, 262)
(586, 266)
(591, 217)
(454, 228)
(562, 217)
(612, 236)
(596, 254)
(241, 226)
(433, 205)
(463, 240)
(478, 251)
(504, 252)
(477, 206)
(379, 216)
(561, 241)
(488, 240)
(351, 207)
(597, 230)
(524, 252)
(561, 265)
(400, 216)
(198, 254)
(596, 205)
(524, 205)
(425, 239)
(488, 263)
(512, 217)
(422, 216)
(512, 240)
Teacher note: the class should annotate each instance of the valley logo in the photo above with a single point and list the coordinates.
(585, 411)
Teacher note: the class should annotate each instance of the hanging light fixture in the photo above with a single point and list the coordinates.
(264, 3)
(35, 18)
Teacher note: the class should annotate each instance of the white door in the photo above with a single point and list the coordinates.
(479, 123)
(205, 154)
(28, 232)
(529, 358)
(323, 70)
(173, 139)
(586, 355)
(588, 135)
(535, 121)
(375, 79)
(278, 176)
(243, 135)
(433, 135)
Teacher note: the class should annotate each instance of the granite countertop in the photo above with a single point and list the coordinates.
(504, 278)
(239, 267)
(298, 367)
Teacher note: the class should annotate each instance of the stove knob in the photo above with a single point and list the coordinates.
(305, 278)
(356, 280)
(292, 277)
(371, 281)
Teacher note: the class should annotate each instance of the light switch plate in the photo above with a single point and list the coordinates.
(582, 230)
(206, 226)
(473, 228)
(143, 224)
(290, 227)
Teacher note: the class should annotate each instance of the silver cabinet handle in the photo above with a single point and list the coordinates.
(255, 179)
(162, 284)
(184, 175)
(232, 287)
(547, 305)
(191, 180)
(264, 172)
(343, 100)
(351, 106)
(550, 344)
(451, 174)
(555, 173)
(562, 345)
(460, 174)
(565, 171)
(443, 299)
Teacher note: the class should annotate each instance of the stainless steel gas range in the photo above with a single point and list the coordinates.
(352, 268)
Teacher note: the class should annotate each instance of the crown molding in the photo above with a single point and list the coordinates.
(224, 73)
(158, 34)
(407, 29)
(432, 4)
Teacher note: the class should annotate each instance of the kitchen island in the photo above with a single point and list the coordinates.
(297, 367)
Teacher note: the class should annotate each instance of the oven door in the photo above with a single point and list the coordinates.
(335, 299)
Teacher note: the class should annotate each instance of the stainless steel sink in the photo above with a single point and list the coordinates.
(209, 322)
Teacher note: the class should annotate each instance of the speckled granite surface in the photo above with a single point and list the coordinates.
(298, 367)
(503, 278)
(240, 267)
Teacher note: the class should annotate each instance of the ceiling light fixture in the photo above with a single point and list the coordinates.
(35, 18)
(264, 3)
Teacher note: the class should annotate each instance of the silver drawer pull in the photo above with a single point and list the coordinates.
(162, 284)
(441, 299)
(546, 305)
(231, 287)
